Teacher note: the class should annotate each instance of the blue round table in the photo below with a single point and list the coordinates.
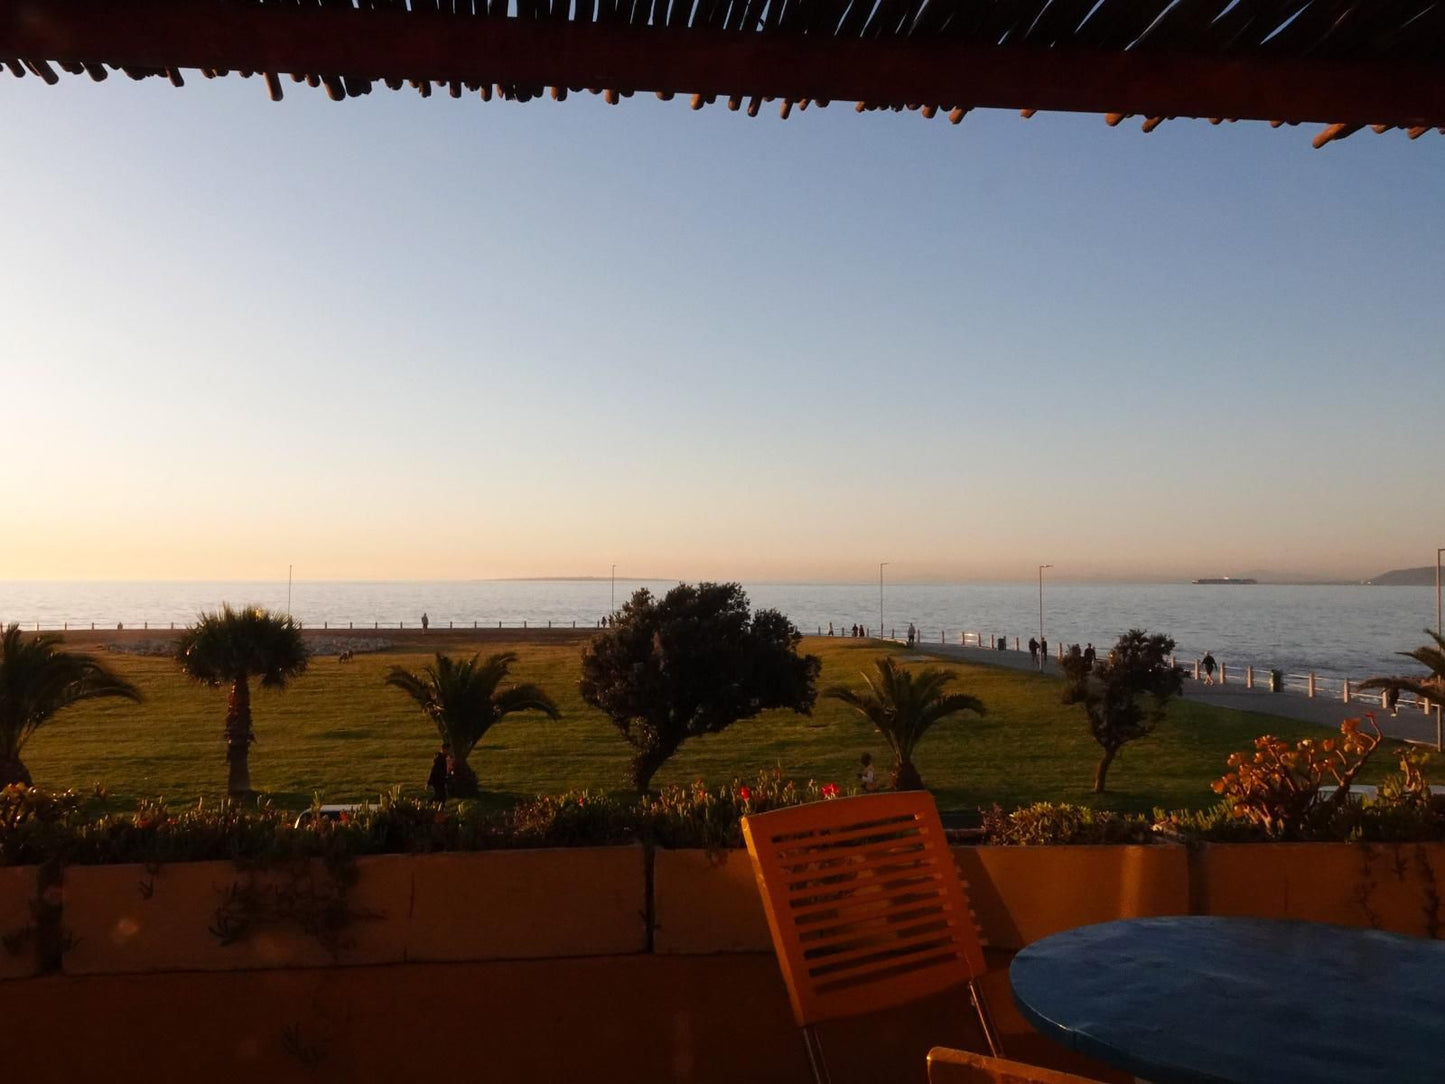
(1203, 1000)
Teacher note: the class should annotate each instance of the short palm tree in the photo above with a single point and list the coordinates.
(38, 679)
(460, 697)
(903, 704)
(1430, 686)
(231, 648)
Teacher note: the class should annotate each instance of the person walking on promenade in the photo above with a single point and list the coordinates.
(830, 628)
(1089, 655)
(1208, 664)
(855, 632)
(437, 780)
(425, 621)
(1043, 649)
(912, 634)
(1033, 650)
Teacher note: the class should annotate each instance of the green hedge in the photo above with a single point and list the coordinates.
(38, 826)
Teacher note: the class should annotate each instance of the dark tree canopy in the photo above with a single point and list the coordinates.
(693, 662)
(1125, 695)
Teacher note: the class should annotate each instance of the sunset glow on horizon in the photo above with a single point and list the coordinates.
(430, 340)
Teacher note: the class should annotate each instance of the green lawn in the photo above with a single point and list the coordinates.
(339, 732)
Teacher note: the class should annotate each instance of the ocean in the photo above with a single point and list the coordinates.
(1335, 631)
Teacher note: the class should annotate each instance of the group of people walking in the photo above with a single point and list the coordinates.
(1039, 649)
(856, 631)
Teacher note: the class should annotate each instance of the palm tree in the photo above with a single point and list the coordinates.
(231, 648)
(903, 704)
(37, 680)
(1429, 687)
(461, 698)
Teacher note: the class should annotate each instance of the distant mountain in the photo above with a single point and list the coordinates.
(1406, 577)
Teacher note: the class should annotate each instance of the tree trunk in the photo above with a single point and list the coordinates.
(12, 771)
(463, 781)
(238, 739)
(1103, 769)
(905, 776)
(645, 764)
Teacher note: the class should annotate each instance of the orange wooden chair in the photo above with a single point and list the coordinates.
(865, 907)
(947, 1066)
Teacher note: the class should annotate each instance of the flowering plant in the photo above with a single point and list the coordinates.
(700, 816)
(1278, 786)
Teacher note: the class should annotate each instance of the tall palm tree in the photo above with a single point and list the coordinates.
(461, 698)
(38, 679)
(231, 648)
(1430, 686)
(903, 704)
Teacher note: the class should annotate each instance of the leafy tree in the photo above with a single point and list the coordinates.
(461, 698)
(1125, 695)
(1430, 686)
(693, 663)
(38, 679)
(231, 648)
(904, 704)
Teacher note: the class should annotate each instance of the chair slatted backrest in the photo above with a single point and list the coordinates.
(864, 903)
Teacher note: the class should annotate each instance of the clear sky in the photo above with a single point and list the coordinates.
(396, 338)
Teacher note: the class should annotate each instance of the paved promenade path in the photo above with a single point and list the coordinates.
(1409, 725)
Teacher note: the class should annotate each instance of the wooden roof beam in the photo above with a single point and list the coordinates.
(396, 44)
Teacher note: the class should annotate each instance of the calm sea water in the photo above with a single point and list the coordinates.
(1347, 631)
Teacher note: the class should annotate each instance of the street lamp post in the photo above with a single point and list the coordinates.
(880, 596)
(1041, 615)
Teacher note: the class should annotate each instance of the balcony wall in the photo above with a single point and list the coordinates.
(570, 964)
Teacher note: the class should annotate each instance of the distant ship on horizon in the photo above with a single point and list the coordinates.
(1226, 579)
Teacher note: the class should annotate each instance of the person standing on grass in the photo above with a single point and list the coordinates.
(1089, 656)
(437, 780)
(425, 621)
(867, 781)
(1208, 664)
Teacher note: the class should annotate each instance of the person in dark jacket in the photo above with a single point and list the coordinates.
(437, 780)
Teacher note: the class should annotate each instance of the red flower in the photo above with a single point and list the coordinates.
(345, 817)
(830, 790)
(581, 803)
(744, 793)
